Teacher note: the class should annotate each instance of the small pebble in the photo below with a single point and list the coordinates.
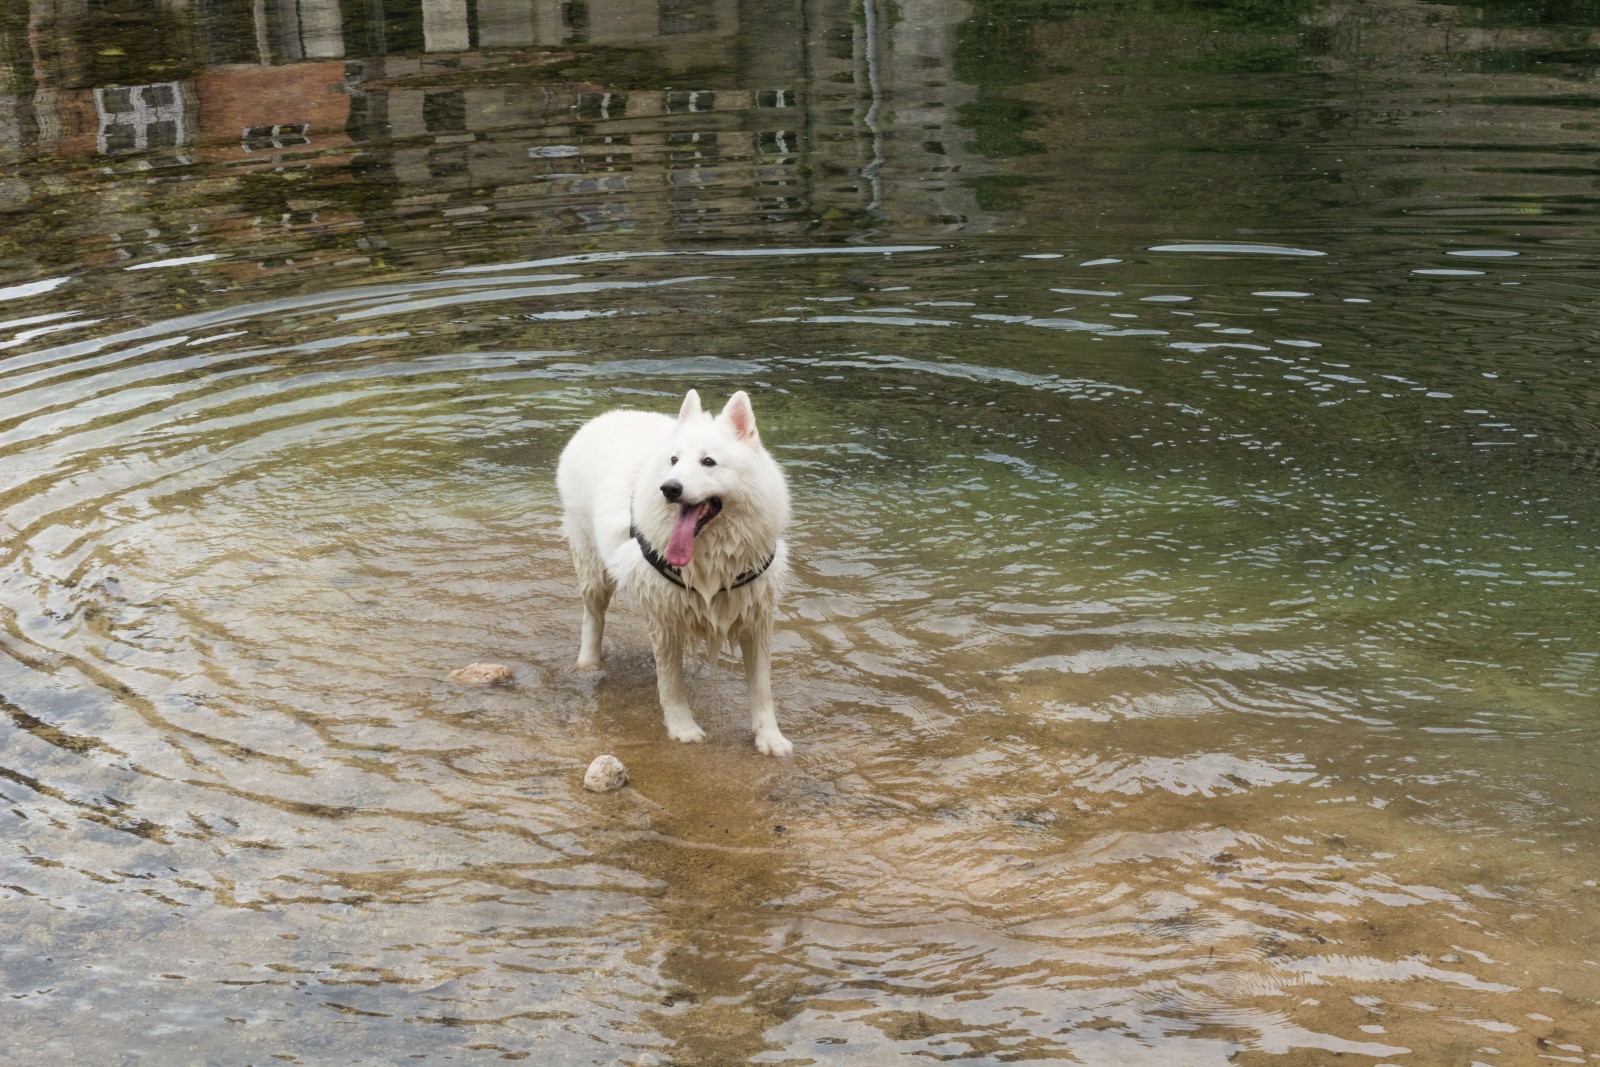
(605, 775)
(482, 674)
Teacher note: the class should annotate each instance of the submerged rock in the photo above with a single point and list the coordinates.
(482, 674)
(605, 775)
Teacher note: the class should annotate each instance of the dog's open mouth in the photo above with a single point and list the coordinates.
(692, 518)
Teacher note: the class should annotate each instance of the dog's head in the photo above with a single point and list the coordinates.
(711, 465)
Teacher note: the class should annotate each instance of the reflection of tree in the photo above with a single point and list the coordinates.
(16, 59)
(997, 48)
(1506, 13)
(1159, 110)
(128, 42)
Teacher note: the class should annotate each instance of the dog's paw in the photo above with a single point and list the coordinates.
(587, 664)
(689, 732)
(772, 743)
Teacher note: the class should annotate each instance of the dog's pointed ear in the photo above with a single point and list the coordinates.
(741, 417)
(691, 406)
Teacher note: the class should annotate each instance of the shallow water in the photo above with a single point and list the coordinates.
(1191, 420)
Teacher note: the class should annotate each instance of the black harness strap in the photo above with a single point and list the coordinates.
(675, 576)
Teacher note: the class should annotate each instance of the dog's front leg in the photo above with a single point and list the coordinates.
(668, 647)
(755, 643)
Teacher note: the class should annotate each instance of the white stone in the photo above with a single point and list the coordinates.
(605, 775)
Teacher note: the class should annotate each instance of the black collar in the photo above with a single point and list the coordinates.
(675, 576)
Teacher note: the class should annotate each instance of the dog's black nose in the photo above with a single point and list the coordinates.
(672, 490)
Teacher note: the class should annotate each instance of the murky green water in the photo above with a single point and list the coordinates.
(1191, 411)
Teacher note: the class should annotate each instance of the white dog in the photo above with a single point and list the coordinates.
(688, 516)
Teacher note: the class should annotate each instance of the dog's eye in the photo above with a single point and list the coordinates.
(708, 462)
(674, 461)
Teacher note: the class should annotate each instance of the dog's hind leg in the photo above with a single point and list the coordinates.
(755, 642)
(597, 587)
(596, 598)
(667, 644)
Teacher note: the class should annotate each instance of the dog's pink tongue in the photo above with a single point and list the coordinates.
(680, 547)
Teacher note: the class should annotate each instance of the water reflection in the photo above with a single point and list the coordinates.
(1190, 409)
(351, 131)
(488, 107)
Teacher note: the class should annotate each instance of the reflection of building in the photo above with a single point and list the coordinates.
(397, 27)
(140, 117)
(302, 29)
(225, 113)
(245, 111)
(711, 116)
(80, 107)
(829, 98)
(454, 26)
(886, 110)
(601, 157)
